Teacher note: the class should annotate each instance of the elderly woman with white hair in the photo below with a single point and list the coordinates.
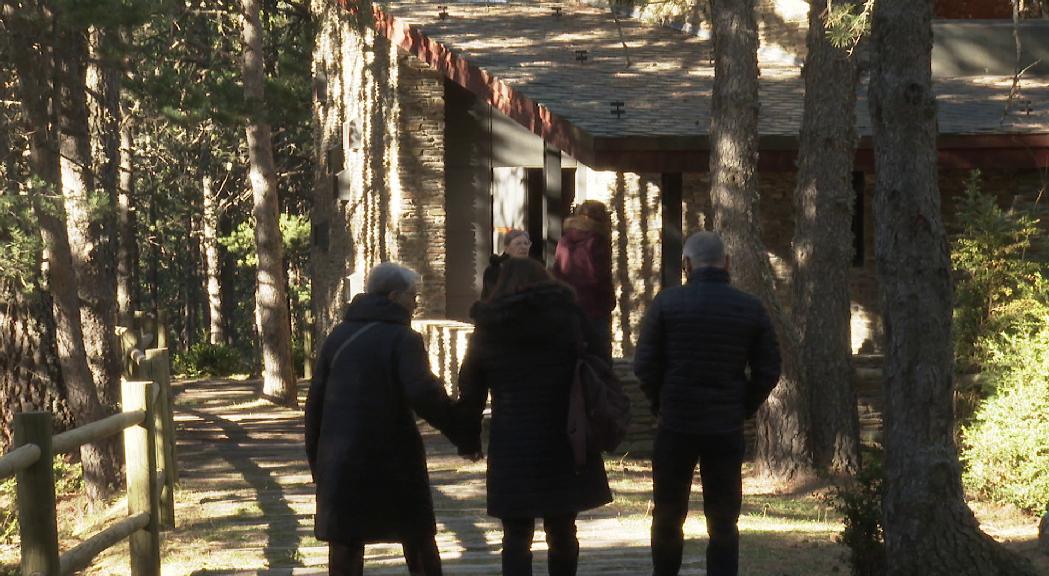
(363, 446)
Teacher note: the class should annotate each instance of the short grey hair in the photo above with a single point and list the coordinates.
(705, 249)
(390, 277)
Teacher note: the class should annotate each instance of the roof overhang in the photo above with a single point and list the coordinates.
(679, 153)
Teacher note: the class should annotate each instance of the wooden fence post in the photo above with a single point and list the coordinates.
(36, 498)
(158, 370)
(140, 455)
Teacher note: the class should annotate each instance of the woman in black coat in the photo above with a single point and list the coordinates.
(362, 443)
(523, 351)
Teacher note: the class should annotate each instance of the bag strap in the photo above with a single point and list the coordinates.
(349, 341)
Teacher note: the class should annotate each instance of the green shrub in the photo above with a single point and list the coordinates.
(1006, 448)
(206, 359)
(992, 272)
(859, 502)
(69, 481)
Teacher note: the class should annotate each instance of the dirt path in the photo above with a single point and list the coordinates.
(246, 487)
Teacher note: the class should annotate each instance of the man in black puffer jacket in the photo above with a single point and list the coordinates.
(697, 343)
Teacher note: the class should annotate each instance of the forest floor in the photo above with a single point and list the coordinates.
(245, 506)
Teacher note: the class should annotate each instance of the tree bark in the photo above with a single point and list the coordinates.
(30, 378)
(823, 204)
(126, 241)
(279, 384)
(31, 30)
(212, 259)
(89, 237)
(191, 292)
(929, 528)
(783, 450)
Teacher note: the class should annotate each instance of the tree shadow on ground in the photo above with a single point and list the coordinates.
(281, 543)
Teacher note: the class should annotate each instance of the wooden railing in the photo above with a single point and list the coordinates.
(446, 343)
(149, 461)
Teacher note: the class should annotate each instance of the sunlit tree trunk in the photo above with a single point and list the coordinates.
(783, 450)
(212, 259)
(823, 204)
(31, 31)
(929, 528)
(279, 384)
(126, 241)
(88, 228)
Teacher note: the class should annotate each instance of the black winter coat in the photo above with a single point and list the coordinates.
(523, 351)
(697, 342)
(491, 274)
(363, 446)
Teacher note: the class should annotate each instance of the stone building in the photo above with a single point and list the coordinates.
(443, 124)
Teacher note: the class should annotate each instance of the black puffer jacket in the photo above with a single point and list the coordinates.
(696, 344)
(524, 351)
(362, 443)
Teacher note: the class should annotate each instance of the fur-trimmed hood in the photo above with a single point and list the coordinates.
(543, 312)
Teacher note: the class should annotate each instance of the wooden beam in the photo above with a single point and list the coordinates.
(671, 236)
(552, 201)
(81, 556)
(97, 430)
(18, 459)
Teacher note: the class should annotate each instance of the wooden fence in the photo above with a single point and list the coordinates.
(146, 422)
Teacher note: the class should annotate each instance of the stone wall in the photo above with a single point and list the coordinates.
(380, 193)
(421, 238)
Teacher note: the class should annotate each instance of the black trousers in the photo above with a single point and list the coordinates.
(562, 545)
(420, 552)
(720, 459)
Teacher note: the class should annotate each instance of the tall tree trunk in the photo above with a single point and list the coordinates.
(783, 450)
(31, 30)
(279, 384)
(89, 237)
(929, 528)
(120, 146)
(126, 241)
(823, 204)
(212, 259)
(30, 378)
(191, 273)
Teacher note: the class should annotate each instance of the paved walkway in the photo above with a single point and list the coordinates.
(244, 473)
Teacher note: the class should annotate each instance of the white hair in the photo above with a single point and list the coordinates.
(390, 277)
(705, 249)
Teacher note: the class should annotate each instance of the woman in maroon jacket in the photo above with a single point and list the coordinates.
(584, 262)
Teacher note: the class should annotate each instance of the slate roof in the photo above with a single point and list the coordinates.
(530, 52)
